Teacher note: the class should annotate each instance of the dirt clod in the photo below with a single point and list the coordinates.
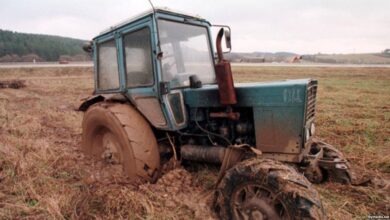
(12, 84)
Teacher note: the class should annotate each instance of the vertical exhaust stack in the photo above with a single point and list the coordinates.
(227, 93)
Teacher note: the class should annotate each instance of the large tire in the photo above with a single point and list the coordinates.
(118, 134)
(266, 189)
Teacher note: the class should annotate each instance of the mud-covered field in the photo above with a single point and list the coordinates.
(43, 174)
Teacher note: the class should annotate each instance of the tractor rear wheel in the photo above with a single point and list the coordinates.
(266, 189)
(119, 135)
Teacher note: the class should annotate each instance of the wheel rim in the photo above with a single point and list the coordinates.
(111, 149)
(254, 201)
(106, 146)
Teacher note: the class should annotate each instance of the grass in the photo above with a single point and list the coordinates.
(43, 174)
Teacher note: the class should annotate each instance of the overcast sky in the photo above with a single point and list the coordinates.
(302, 26)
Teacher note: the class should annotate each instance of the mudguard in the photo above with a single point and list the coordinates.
(87, 102)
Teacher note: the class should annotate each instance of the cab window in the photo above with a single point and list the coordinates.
(108, 75)
(138, 58)
(186, 51)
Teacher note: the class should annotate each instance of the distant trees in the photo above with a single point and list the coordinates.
(27, 47)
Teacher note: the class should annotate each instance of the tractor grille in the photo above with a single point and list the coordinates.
(311, 99)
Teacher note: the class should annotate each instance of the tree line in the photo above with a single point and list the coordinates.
(14, 46)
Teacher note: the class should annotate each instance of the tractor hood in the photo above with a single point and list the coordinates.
(278, 93)
(283, 111)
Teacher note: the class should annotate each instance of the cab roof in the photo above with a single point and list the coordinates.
(157, 10)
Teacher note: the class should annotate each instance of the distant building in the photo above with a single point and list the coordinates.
(387, 51)
(295, 59)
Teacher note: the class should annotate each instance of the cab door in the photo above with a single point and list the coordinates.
(139, 67)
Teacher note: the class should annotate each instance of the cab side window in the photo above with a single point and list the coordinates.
(138, 56)
(108, 75)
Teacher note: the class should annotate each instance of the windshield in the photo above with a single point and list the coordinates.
(186, 52)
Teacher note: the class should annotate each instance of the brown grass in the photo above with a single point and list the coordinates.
(43, 175)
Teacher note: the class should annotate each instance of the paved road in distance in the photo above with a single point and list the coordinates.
(90, 64)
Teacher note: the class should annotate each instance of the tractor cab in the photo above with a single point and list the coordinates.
(150, 59)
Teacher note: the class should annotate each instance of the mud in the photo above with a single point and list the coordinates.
(177, 189)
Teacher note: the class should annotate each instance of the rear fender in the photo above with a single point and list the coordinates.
(87, 102)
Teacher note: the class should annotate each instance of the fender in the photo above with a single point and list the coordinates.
(87, 102)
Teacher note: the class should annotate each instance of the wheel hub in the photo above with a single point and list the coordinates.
(257, 208)
(253, 201)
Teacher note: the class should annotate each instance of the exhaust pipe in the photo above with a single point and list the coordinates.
(209, 154)
(227, 94)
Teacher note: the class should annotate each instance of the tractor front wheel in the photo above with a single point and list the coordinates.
(118, 135)
(266, 189)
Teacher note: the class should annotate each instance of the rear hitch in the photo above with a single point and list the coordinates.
(325, 162)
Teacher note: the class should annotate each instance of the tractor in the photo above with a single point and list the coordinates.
(163, 93)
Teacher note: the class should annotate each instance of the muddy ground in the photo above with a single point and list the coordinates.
(43, 174)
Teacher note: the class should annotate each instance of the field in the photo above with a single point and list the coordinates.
(363, 58)
(43, 174)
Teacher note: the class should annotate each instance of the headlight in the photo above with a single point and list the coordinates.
(312, 129)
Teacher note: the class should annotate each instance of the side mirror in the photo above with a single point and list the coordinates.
(87, 47)
(228, 39)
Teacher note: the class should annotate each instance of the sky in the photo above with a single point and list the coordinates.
(301, 26)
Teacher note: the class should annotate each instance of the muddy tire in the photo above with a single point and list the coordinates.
(119, 135)
(266, 189)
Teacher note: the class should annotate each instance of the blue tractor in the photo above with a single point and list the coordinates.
(162, 92)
